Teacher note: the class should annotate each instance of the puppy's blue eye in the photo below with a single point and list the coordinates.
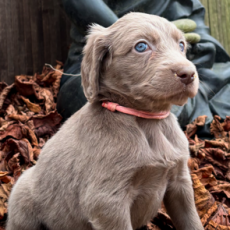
(181, 46)
(141, 47)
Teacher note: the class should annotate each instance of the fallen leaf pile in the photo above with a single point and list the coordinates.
(28, 118)
(210, 172)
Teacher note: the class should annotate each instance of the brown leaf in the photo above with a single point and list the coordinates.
(200, 121)
(56, 84)
(52, 119)
(216, 128)
(206, 176)
(193, 164)
(226, 124)
(151, 226)
(31, 106)
(30, 152)
(25, 85)
(163, 219)
(220, 220)
(2, 86)
(218, 143)
(13, 165)
(4, 124)
(4, 177)
(45, 130)
(4, 94)
(36, 152)
(222, 186)
(18, 117)
(49, 100)
(13, 130)
(203, 199)
(21, 146)
(195, 146)
(11, 110)
(217, 154)
(29, 133)
(191, 129)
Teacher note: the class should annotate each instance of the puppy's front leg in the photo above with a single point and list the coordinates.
(179, 200)
(111, 215)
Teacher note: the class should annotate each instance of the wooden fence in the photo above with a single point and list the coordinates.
(217, 18)
(34, 32)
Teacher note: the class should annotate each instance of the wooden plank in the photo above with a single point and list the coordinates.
(220, 22)
(37, 34)
(3, 42)
(28, 56)
(205, 4)
(56, 33)
(20, 40)
(227, 25)
(47, 11)
(10, 41)
(223, 24)
(65, 25)
(31, 36)
(213, 19)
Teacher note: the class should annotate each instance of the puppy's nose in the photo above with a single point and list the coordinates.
(186, 75)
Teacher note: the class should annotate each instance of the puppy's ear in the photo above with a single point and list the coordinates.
(94, 52)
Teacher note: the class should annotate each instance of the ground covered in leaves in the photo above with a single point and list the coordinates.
(28, 118)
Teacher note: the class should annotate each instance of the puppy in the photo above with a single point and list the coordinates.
(112, 169)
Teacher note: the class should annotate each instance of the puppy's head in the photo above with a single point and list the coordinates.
(140, 62)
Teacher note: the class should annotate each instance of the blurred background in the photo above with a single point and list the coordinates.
(36, 32)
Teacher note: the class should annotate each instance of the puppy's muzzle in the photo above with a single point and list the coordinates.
(186, 75)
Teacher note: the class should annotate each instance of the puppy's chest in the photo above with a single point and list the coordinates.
(166, 142)
(166, 146)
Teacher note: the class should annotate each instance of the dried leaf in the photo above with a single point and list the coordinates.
(226, 124)
(11, 110)
(25, 85)
(218, 143)
(18, 117)
(221, 187)
(191, 129)
(4, 124)
(36, 152)
(13, 165)
(2, 86)
(203, 199)
(52, 119)
(14, 130)
(206, 176)
(220, 220)
(151, 226)
(31, 106)
(216, 128)
(21, 146)
(30, 134)
(49, 100)
(200, 121)
(4, 94)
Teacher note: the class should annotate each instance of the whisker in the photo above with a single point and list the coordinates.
(206, 85)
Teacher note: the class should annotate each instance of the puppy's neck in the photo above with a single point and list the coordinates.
(146, 104)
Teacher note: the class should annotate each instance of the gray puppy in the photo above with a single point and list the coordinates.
(110, 170)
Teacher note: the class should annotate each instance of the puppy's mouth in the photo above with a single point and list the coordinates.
(187, 91)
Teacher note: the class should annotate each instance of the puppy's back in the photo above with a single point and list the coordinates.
(75, 163)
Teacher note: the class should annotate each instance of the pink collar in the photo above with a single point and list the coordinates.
(114, 106)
